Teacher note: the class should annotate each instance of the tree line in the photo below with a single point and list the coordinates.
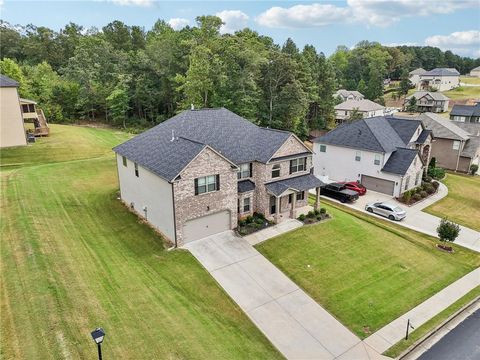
(126, 76)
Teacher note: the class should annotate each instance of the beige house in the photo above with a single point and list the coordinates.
(345, 95)
(429, 101)
(12, 131)
(414, 75)
(197, 173)
(440, 79)
(366, 107)
(475, 72)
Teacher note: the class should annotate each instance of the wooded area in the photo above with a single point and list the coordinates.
(126, 76)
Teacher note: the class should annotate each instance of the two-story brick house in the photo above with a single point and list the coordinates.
(197, 173)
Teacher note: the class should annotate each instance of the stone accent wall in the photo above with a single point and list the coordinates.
(290, 147)
(190, 206)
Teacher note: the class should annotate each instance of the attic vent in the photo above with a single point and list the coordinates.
(173, 136)
(192, 107)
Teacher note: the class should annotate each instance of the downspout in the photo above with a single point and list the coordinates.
(458, 156)
(174, 217)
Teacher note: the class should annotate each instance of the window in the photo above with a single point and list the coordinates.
(407, 181)
(31, 108)
(417, 178)
(136, 169)
(276, 171)
(323, 148)
(456, 145)
(346, 112)
(207, 184)
(358, 155)
(459, 118)
(376, 161)
(301, 195)
(25, 108)
(124, 160)
(246, 204)
(297, 165)
(245, 171)
(290, 198)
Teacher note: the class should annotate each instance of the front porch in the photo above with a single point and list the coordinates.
(286, 215)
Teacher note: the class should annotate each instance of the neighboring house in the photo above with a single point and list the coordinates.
(454, 147)
(366, 107)
(31, 113)
(385, 154)
(12, 131)
(429, 101)
(466, 113)
(197, 173)
(345, 95)
(414, 76)
(441, 79)
(475, 72)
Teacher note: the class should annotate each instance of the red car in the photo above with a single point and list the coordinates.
(355, 186)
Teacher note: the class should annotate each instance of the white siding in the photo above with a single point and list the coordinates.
(150, 191)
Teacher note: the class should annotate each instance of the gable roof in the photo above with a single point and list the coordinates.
(5, 81)
(298, 183)
(441, 72)
(469, 127)
(471, 147)
(235, 138)
(360, 105)
(417, 71)
(476, 69)
(346, 93)
(435, 95)
(404, 128)
(442, 127)
(372, 134)
(400, 161)
(465, 110)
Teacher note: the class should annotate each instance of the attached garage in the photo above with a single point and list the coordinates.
(377, 184)
(205, 226)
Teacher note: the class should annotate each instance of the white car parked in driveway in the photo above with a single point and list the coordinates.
(391, 211)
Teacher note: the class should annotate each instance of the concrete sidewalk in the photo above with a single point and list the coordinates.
(275, 230)
(393, 332)
(298, 326)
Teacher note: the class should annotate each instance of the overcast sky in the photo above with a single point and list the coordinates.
(447, 24)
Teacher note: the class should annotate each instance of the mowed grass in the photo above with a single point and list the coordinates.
(74, 258)
(470, 80)
(463, 93)
(365, 271)
(462, 204)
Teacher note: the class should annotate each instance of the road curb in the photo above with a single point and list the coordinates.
(404, 355)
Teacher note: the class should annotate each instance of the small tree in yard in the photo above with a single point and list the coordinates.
(447, 230)
(473, 169)
(412, 104)
(433, 162)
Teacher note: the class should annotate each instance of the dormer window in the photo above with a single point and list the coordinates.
(245, 171)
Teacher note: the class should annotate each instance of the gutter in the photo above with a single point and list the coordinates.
(174, 217)
(459, 152)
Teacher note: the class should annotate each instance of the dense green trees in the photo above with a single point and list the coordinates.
(127, 76)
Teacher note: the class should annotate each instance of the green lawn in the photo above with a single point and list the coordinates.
(366, 271)
(470, 80)
(73, 258)
(462, 204)
(463, 93)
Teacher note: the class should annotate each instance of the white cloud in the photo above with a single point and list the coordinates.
(369, 12)
(459, 42)
(178, 23)
(144, 3)
(234, 20)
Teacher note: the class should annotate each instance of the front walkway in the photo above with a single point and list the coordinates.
(392, 333)
(298, 326)
(275, 230)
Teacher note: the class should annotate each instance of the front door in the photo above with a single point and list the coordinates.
(273, 205)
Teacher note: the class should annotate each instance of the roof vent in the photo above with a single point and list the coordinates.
(173, 136)
(192, 107)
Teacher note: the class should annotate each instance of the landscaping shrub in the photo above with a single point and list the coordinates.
(447, 230)
(435, 184)
(316, 211)
(323, 211)
(473, 169)
(430, 190)
(249, 219)
(311, 214)
(427, 179)
(259, 215)
(242, 223)
(436, 173)
(259, 221)
(417, 197)
(407, 196)
(423, 194)
(319, 217)
(301, 217)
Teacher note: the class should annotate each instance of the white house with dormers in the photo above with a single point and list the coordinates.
(385, 154)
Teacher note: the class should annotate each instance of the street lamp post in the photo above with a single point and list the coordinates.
(98, 334)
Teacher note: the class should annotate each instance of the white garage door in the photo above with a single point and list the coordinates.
(206, 225)
(377, 184)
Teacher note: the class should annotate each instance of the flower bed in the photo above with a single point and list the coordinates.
(428, 188)
(314, 216)
(251, 224)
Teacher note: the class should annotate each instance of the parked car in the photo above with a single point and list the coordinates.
(355, 186)
(391, 211)
(340, 192)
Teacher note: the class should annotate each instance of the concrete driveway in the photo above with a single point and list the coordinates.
(289, 318)
(417, 219)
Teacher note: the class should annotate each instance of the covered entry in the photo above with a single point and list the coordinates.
(377, 184)
(206, 225)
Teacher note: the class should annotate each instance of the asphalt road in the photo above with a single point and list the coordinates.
(462, 343)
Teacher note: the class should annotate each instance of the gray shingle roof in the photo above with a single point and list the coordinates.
(441, 72)
(5, 81)
(476, 69)
(346, 93)
(435, 95)
(471, 147)
(400, 161)
(234, 137)
(465, 110)
(469, 127)
(299, 183)
(417, 71)
(404, 128)
(360, 105)
(423, 136)
(442, 127)
(245, 186)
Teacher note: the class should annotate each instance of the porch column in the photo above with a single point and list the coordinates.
(294, 204)
(317, 198)
(277, 209)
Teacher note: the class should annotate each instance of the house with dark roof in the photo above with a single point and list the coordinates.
(197, 173)
(466, 113)
(428, 101)
(456, 146)
(440, 79)
(12, 131)
(385, 154)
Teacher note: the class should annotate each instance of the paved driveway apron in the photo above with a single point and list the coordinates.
(291, 320)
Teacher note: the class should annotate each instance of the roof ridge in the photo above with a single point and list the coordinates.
(373, 133)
